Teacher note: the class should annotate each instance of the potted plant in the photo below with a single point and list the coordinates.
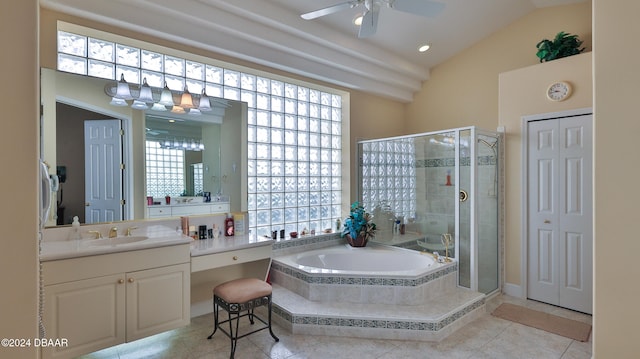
(358, 227)
(563, 45)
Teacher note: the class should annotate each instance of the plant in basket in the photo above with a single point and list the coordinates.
(358, 227)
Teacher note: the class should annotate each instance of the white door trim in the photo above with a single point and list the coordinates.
(524, 178)
(127, 155)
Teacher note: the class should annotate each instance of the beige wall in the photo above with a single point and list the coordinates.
(617, 243)
(523, 92)
(463, 91)
(19, 158)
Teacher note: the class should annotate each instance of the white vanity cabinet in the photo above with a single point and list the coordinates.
(100, 301)
(160, 211)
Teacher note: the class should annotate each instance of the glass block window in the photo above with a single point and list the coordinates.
(295, 132)
(198, 179)
(388, 172)
(165, 170)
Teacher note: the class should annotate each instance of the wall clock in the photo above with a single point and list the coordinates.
(559, 91)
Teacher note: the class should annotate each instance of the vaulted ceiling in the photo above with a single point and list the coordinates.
(272, 33)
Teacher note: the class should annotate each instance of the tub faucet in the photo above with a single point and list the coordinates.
(113, 232)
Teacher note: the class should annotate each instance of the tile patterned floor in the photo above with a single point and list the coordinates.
(486, 337)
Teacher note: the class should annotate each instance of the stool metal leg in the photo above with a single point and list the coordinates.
(270, 330)
(233, 337)
(215, 319)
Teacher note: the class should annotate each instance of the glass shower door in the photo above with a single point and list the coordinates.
(464, 200)
(487, 214)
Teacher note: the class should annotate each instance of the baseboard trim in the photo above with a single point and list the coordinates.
(201, 308)
(513, 290)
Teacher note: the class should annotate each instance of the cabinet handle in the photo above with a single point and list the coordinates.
(130, 280)
(120, 281)
(546, 221)
(235, 258)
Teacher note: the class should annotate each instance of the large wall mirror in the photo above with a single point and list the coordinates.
(160, 153)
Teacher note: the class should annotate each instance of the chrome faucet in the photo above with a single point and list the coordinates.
(113, 232)
(97, 234)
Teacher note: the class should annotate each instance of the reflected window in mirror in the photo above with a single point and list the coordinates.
(165, 170)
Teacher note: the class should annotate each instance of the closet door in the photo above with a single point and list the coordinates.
(560, 212)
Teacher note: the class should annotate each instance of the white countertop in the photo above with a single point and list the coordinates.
(201, 247)
(158, 236)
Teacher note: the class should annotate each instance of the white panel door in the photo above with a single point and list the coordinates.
(103, 172)
(560, 212)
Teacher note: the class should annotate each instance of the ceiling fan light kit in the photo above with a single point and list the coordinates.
(369, 24)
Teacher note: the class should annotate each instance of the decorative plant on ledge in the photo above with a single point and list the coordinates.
(563, 45)
(358, 227)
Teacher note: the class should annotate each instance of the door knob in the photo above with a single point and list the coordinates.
(87, 204)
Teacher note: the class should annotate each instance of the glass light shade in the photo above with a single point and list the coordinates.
(187, 100)
(185, 145)
(145, 92)
(176, 144)
(139, 105)
(193, 145)
(158, 107)
(123, 91)
(194, 112)
(167, 143)
(166, 98)
(205, 103)
(118, 102)
(201, 146)
(178, 109)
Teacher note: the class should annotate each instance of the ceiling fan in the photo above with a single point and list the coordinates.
(369, 24)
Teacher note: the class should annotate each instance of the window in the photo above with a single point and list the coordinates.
(165, 170)
(295, 131)
(389, 176)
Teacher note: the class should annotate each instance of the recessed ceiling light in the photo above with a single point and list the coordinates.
(357, 20)
(424, 48)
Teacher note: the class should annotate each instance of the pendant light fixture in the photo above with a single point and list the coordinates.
(166, 98)
(123, 91)
(205, 103)
(145, 92)
(187, 100)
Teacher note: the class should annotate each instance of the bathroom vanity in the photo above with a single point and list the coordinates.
(104, 292)
(99, 295)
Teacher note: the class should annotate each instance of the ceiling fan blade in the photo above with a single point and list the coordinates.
(369, 22)
(330, 10)
(419, 7)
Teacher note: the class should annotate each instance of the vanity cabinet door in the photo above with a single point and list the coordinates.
(89, 314)
(157, 300)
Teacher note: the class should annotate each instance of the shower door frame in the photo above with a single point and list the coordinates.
(473, 224)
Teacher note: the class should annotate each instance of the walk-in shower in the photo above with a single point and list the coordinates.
(422, 186)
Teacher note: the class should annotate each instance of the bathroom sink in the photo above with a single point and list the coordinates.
(119, 240)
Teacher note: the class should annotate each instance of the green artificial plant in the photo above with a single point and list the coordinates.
(563, 45)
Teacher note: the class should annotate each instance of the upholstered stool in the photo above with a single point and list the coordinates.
(237, 296)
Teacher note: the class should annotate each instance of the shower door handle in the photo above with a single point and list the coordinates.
(463, 195)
